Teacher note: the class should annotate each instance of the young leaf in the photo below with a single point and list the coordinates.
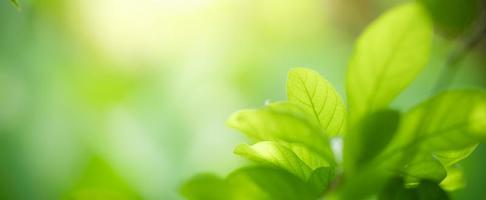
(318, 97)
(263, 183)
(369, 138)
(205, 186)
(294, 158)
(281, 122)
(387, 57)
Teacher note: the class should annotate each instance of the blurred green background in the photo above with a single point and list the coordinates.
(126, 99)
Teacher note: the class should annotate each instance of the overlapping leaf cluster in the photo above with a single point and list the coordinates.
(386, 154)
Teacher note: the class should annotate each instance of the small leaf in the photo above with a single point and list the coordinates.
(296, 159)
(369, 138)
(454, 180)
(387, 58)
(263, 183)
(276, 155)
(318, 97)
(429, 190)
(282, 122)
(204, 187)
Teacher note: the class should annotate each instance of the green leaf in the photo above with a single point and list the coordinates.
(447, 122)
(321, 178)
(204, 187)
(455, 179)
(294, 158)
(318, 97)
(369, 138)
(452, 17)
(387, 58)
(262, 183)
(451, 157)
(424, 166)
(282, 122)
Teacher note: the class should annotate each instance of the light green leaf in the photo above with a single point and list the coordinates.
(424, 166)
(262, 183)
(455, 179)
(387, 58)
(204, 187)
(318, 98)
(451, 157)
(282, 122)
(294, 158)
(444, 123)
(368, 139)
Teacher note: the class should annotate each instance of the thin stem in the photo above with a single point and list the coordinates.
(455, 57)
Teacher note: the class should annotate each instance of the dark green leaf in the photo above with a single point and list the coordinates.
(369, 138)
(426, 190)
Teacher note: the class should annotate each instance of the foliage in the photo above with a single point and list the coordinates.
(387, 154)
(15, 3)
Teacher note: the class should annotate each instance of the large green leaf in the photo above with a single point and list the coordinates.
(204, 187)
(387, 57)
(445, 123)
(261, 183)
(318, 97)
(366, 140)
(292, 157)
(282, 122)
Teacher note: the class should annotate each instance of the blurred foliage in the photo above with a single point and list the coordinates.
(138, 91)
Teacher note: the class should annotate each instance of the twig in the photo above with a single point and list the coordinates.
(455, 57)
